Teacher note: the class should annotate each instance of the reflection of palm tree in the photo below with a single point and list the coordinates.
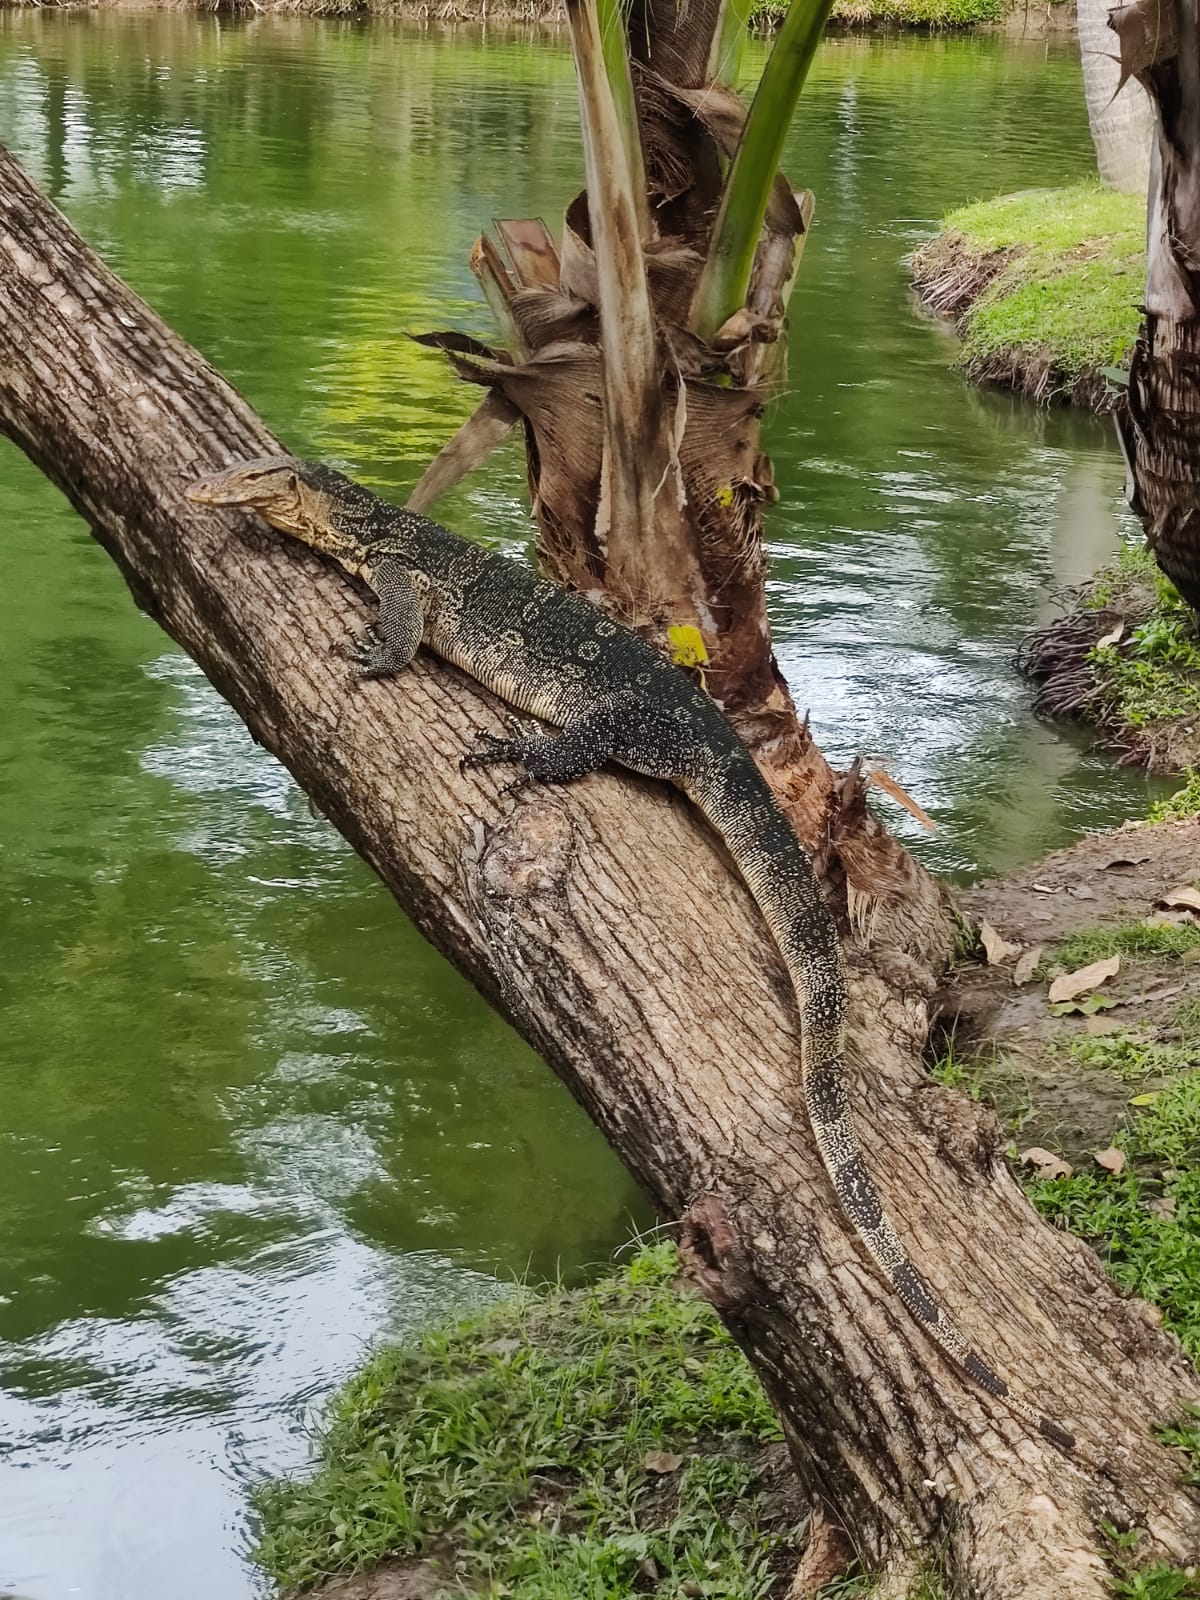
(1085, 529)
(1121, 116)
(56, 141)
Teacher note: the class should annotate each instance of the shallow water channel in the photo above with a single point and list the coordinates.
(248, 1121)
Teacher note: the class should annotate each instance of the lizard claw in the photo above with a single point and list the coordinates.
(491, 749)
(358, 646)
(520, 730)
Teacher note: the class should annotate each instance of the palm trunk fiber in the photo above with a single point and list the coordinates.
(605, 922)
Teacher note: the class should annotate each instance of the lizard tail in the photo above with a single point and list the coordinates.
(740, 806)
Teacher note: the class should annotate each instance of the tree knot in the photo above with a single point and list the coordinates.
(965, 1134)
(712, 1257)
(528, 854)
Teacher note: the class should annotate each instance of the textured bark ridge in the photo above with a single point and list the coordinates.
(1161, 430)
(606, 924)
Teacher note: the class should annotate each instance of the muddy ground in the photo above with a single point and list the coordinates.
(1013, 1048)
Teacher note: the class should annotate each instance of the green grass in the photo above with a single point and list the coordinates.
(1126, 939)
(1132, 568)
(519, 1438)
(895, 13)
(948, 1069)
(1147, 684)
(513, 1445)
(1181, 805)
(1152, 675)
(1153, 1252)
(1145, 1220)
(1070, 289)
(1132, 1055)
(1157, 1581)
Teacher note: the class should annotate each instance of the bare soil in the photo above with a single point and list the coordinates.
(1019, 1048)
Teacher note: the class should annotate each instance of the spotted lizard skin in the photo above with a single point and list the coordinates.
(548, 652)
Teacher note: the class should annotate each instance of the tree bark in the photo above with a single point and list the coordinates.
(1160, 427)
(1120, 115)
(605, 923)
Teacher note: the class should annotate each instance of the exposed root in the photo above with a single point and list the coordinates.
(828, 1555)
(1035, 373)
(950, 274)
(1058, 657)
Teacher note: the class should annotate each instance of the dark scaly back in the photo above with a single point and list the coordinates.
(740, 806)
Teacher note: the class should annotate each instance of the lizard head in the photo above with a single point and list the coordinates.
(285, 491)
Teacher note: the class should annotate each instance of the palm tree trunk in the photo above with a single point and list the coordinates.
(647, 475)
(1161, 427)
(1120, 115)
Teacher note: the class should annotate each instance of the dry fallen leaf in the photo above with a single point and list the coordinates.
(1027, 965)
(1080, 891)
(1043, 888)
(995, 946)
(1069, 984)
(1183, 898)
(1112, 1159)
(1112, 637)
(1169, 919)
(1153, 996)
(662, 1461)
(1163, 1206)
(1124, 861)
(1045, 1163)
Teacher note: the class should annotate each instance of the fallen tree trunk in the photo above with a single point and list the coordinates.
(605, 922)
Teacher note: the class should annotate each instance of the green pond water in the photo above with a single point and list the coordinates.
(248, 1121)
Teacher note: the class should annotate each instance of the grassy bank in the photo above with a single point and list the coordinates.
(932, 14)
(765, 16)
(601, 1441)
(1125, 657)
(1043, 288)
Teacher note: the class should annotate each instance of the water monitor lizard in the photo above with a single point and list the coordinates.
(549, 652)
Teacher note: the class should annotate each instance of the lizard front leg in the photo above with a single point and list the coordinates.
(392, 640)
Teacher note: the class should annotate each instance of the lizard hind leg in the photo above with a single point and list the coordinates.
(582, 747)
